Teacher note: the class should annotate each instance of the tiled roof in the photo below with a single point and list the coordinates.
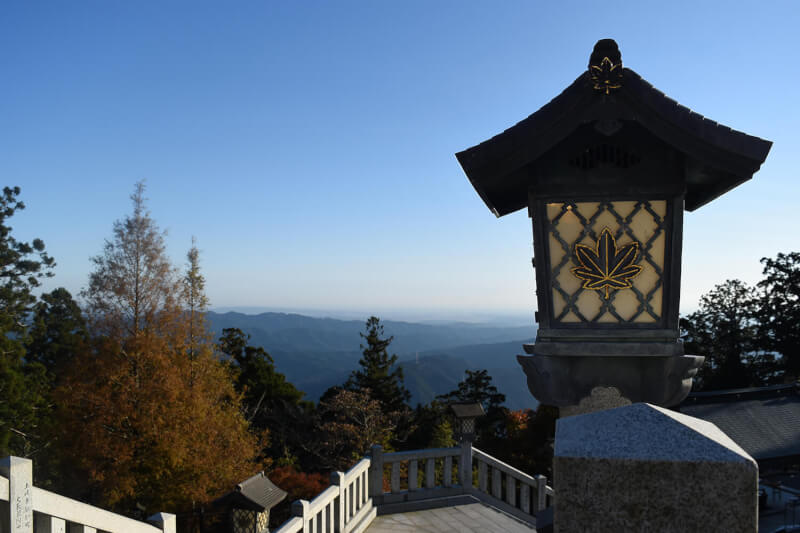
(764, 421)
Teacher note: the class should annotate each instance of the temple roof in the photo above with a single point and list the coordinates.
(765, 421)
(717, 157)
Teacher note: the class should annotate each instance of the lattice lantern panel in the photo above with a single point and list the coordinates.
(246, 521)
(631, 294)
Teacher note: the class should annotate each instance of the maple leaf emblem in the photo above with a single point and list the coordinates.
(606, 266)
(607, 75)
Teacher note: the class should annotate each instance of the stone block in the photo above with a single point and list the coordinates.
(646, 468)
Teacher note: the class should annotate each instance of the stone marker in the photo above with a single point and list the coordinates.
(646, 468)
(19, 472)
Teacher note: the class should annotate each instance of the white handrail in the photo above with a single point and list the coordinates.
(353, 508)
(360, 490)
(500, 465)
(53, 504)
(16, 482)
(293, 525)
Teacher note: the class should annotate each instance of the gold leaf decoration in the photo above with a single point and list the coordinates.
(607, 75)
(606, 266)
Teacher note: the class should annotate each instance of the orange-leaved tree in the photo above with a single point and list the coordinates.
(149, 417)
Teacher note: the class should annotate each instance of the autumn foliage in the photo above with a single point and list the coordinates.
(149, 416)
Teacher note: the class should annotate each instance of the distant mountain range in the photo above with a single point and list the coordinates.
(317, 353)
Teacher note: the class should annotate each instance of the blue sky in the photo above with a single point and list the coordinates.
(309, 145)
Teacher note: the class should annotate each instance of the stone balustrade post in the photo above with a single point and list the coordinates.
(300, 508)
(376, 472)
(166, 521)
(465, 464)
(337, 479)
(646, 468)
(19, 472)
(541, 494)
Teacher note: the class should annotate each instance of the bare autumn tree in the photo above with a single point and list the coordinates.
(133, 283)
(149, 416)
(350, 422)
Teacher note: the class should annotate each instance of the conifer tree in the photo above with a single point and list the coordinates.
(378, 371)
(724, 331)
(22, 267)
(779, 311)
(194, 284)
(145, 424)
(58, 332)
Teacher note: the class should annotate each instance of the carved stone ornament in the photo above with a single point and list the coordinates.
(605, 66)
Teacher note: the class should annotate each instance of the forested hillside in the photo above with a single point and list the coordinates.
(317, 353)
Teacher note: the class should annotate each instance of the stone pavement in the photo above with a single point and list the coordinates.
(470, 518)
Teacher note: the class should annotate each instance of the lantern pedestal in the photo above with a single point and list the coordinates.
(576, 383)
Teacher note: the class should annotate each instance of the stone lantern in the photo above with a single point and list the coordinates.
(466, 413)
(605, 171)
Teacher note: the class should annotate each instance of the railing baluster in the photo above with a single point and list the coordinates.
(351, 496)
(482, 476)
(447, 475)
(525, 497)
(430, 473)
(412, 475)
(497, 487)
(511, 490)
(396, 476)
(365, 487)
(50, 524)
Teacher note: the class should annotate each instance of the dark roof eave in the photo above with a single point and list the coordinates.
(734, 155)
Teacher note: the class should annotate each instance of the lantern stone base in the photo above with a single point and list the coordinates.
(645, 468)
(594, 382)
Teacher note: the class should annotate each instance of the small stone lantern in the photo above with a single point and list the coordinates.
(466, 413)
(605, 171)
(249, 503)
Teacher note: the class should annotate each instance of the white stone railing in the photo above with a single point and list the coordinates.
(23, 506)
(514, 488)
(441, 475)
(344, 507)
(395, 482)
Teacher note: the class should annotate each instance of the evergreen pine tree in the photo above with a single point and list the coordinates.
(378, 371)
(22, 267)
(779, 311)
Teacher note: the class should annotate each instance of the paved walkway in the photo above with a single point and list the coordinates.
(470, 518)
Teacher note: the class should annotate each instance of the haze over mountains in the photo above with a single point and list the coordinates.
(316, 353)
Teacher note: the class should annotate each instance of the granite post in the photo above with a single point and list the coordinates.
(646, 468)
(19, 472)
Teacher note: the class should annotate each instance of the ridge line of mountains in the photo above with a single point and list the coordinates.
(317, 353)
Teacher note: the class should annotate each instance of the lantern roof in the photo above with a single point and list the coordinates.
(716, 157)
(467, 410)
(256, 493)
